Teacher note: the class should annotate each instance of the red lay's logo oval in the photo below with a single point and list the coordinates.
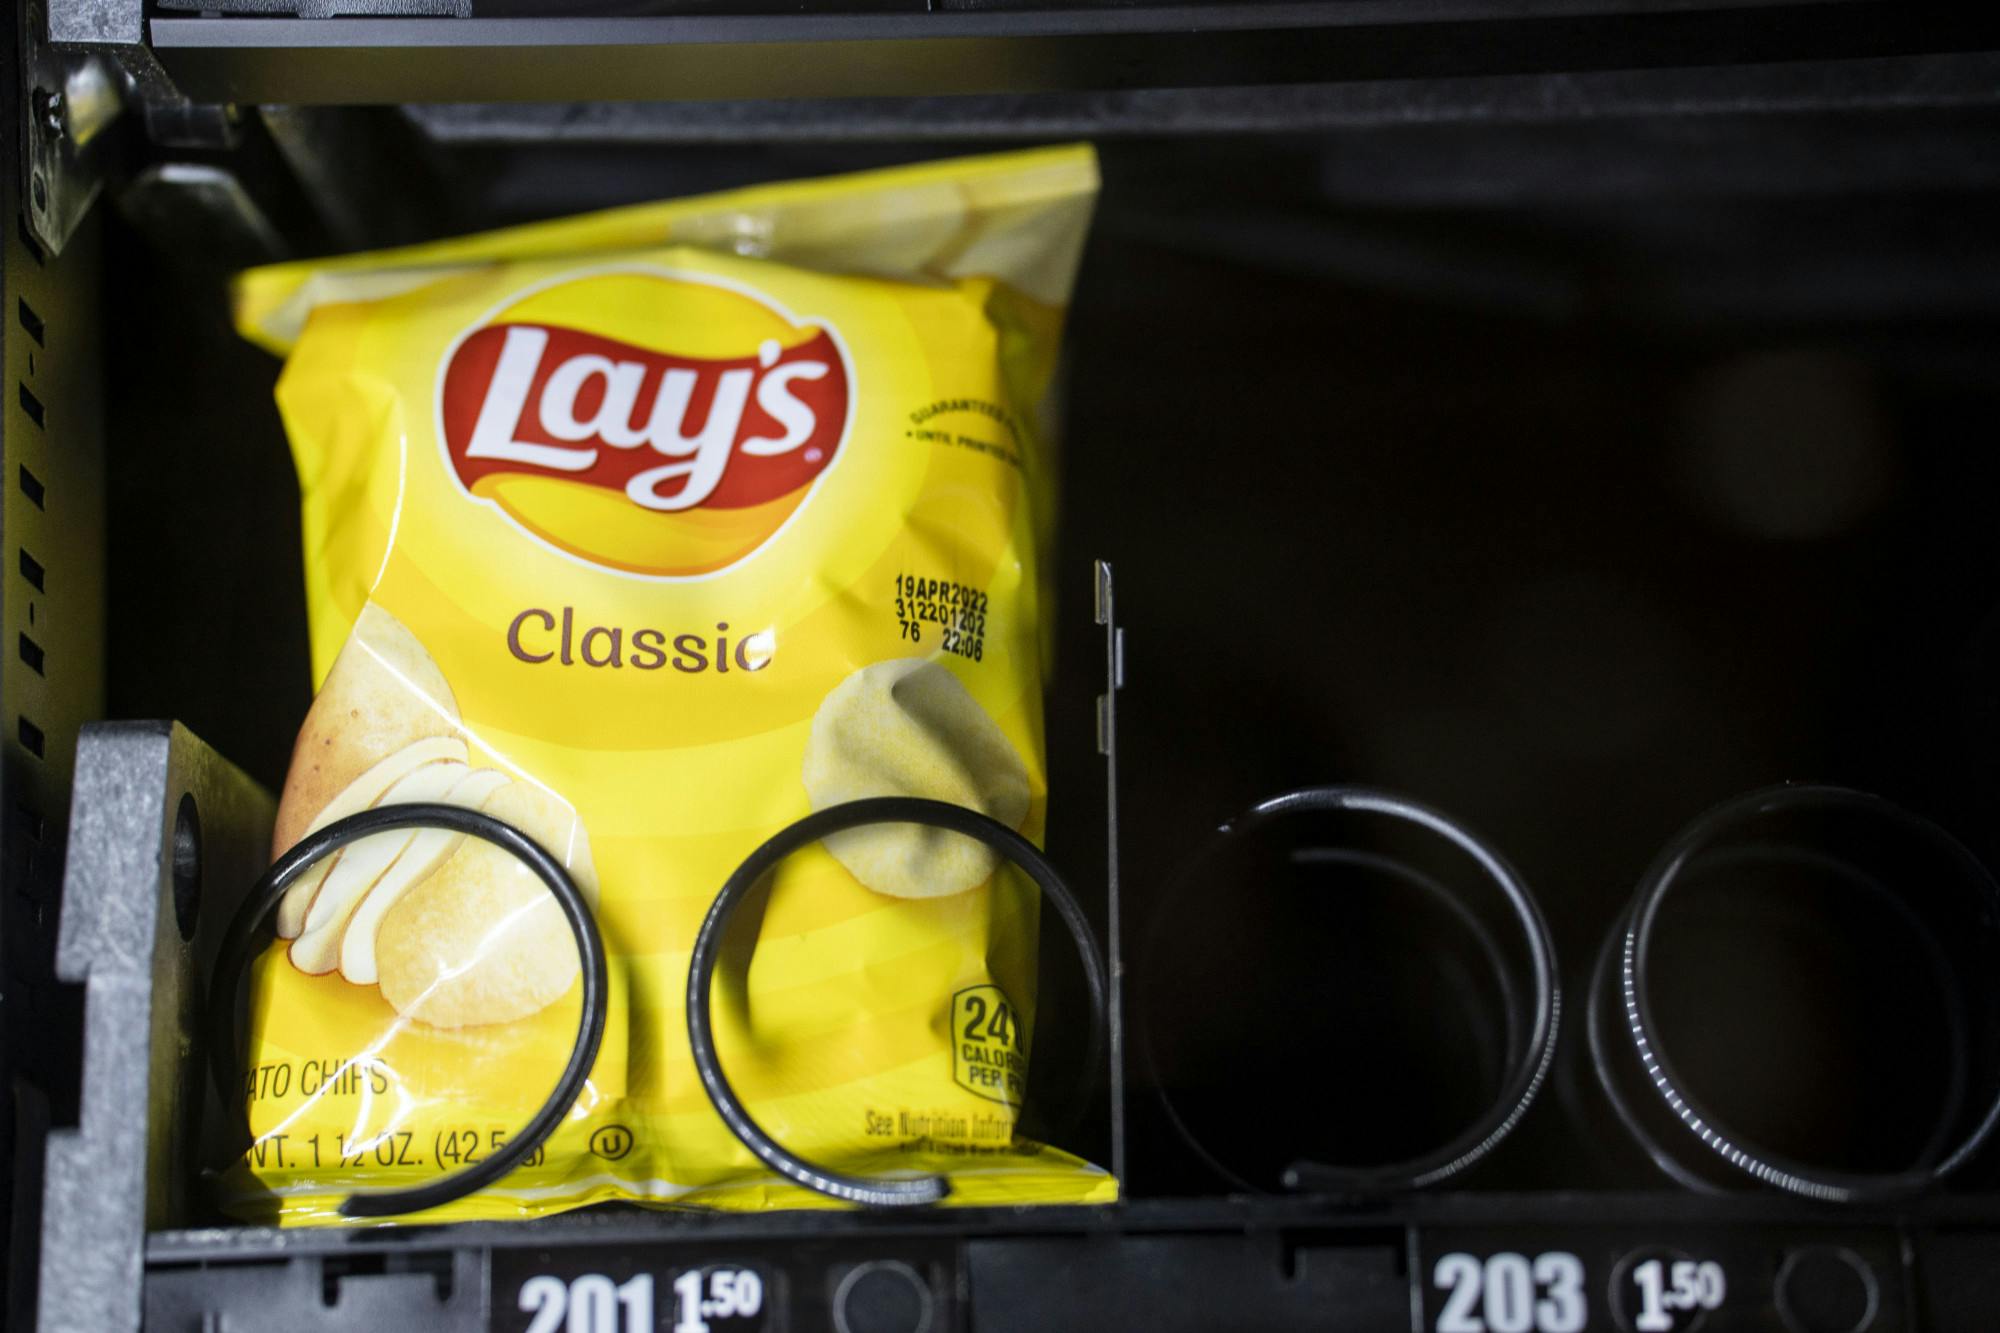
(659, 424)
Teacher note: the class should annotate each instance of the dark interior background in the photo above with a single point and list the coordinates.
(1571, 478)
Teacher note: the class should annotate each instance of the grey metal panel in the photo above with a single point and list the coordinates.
(93, 1222)
(107, 21)
(130, 1163)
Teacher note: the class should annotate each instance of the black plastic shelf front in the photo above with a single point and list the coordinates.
(1166, 1265)
(832, 54)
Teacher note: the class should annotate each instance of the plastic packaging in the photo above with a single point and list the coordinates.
(650, 532)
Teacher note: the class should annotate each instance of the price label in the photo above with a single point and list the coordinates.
(703, 1299)
(1658, 1290)
(721, 1298)
(1622, 1274)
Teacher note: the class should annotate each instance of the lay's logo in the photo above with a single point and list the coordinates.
(662, 425)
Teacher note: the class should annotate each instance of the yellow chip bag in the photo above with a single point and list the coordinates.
(650, 532)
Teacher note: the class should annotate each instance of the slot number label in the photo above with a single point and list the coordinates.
(1511, 1293)
(703, 1300)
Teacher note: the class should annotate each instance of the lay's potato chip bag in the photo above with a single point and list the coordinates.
(651, 532)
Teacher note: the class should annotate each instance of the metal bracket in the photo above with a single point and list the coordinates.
(1107, 745)
(68, 99)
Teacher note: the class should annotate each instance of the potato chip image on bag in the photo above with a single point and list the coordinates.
(383, 695)
(907, 728)
(480, 940)
(650, 532)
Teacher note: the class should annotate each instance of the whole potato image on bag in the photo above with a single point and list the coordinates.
(650, 532)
